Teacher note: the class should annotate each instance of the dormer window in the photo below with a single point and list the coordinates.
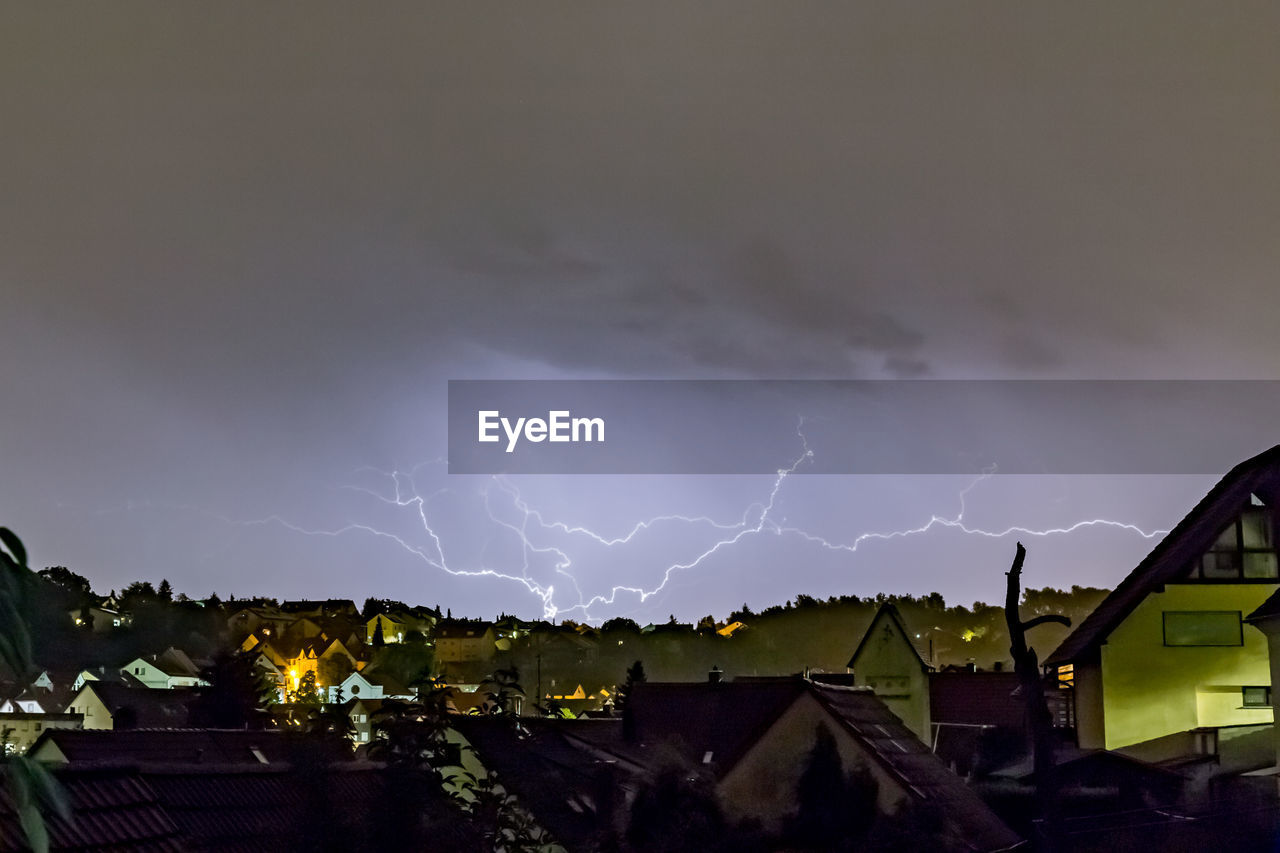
(1244, 550)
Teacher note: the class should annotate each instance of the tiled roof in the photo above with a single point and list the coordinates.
(563, 783)
(112, 810)
(975, 698)
(461, 630)
(201, 807)
(171, 746)
(893, 746)
(727, 719)
(724, 719)
(246, 808)
(150, 708)
(1174, 554)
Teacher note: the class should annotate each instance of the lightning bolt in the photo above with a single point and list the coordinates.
(531, 529)
(509, 514)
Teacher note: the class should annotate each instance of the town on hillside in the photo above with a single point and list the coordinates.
(1058, 720)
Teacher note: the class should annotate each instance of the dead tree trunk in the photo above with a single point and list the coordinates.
(1030, 684)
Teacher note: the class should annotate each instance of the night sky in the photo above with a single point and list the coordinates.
(243, 249)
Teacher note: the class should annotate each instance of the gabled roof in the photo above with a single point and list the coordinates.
(1269, 609)
(150, 708)
(721, 722)
(889, 613)
(1172, 557)
(552, 770)
(461, 630)
(894, 747)
(724, 719)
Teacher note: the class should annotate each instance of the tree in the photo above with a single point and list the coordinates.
(378, 640)
(676, 811)
(635, 675)
(76, 586)
(165, 592)
(136, 593)
(504, 692)
(622, 699)
(307, 693)
(237, 694)
(333, 670)
(836, 810)
(30, 786)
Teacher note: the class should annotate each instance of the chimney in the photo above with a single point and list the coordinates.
(714, 675)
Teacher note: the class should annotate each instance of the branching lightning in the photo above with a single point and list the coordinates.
(510, 514)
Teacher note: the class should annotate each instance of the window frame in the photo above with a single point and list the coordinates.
(1164, 625)
(1238, 552)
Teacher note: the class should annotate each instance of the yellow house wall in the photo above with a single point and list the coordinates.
(1151, 690)
(889, 664)
(1090, 722)
(96, 715)
(763, 783)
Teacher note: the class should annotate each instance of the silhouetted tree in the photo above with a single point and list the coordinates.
(378, 640)
(836, 809)
(165, 591)
(622, 699)
(676, 811)
(307, 693)
(31, 788)
(237, 694)
(137, 593)
(76, 586)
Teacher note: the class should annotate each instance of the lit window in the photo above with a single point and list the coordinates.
(1256, 697)
(1203, 628)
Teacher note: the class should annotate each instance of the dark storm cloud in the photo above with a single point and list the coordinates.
(245, 243)
(254, 185)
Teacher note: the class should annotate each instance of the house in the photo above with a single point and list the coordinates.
(371, 685)
(1168, 653)
(396, 626)
(25, 702)
(108, 705)
(731, 628)
(166, 671)
(887, 661)
(18, 731)
(99, 620)
(756, 735)
(393, 629)
(571, 776)
(461, 641)
(360, 712)
(329, 608)
(315, 656)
